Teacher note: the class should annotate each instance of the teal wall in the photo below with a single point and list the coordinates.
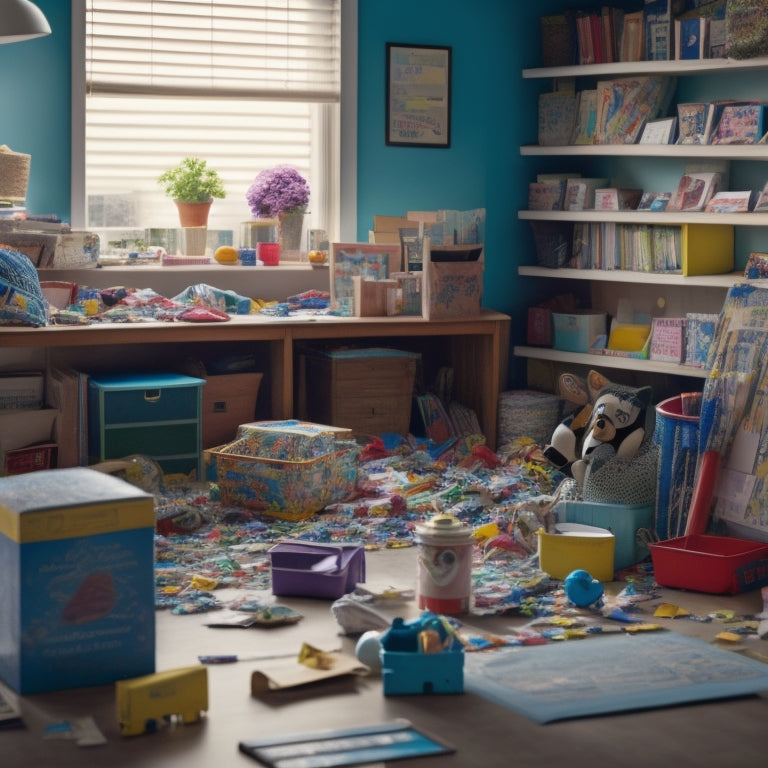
(35, 95)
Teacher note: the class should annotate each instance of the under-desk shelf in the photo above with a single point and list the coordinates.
(610, 361)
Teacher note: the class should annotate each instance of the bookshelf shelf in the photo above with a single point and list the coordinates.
(757, 152)
(670, 218)
(724, 281)
(688, 67)
(609, 361)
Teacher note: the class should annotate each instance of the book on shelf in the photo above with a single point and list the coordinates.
(694, 122)
(691, 38)
(632, 46)
(667, 335)
(586, 117)
(737, 123)
(546, 195)
(611, 20)
(624, 105)
(761, 204)
(694, 191)
(558, 39)
(661, 131)
(557, 115)
(617, 199)
(699, 335)
(716, 39)
(730, 202)
(580, 193)
(659, 19)
(756, 267)
(654, 201)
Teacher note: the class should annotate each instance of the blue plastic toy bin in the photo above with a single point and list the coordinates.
(677, 435)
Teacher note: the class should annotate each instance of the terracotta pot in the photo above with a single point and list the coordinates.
(193, 214)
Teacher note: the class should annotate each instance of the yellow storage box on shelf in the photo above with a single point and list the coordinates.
(707, 249)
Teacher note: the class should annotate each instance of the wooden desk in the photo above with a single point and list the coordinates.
(476, 347)
(708, 734)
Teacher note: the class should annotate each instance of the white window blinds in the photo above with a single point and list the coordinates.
(243, 84)
(274, 49)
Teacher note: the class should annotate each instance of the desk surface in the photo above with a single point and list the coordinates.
(708, 734)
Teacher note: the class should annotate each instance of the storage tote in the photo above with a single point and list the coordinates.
(292, 490)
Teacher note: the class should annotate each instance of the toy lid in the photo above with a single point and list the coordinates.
(441, 528)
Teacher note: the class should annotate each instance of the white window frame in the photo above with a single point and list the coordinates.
(346, 141)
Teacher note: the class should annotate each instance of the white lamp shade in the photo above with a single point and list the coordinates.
(21, 20)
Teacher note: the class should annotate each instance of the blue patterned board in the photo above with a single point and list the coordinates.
(614, 673)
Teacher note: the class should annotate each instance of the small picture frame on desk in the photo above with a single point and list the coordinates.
(366, 261)
(418, 107)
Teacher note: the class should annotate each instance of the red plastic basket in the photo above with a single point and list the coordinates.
(714, 564)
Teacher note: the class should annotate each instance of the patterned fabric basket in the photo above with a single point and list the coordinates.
(292, 490)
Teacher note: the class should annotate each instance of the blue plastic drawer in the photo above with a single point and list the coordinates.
(144, 398)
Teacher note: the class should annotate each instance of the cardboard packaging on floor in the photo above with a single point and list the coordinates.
(77, 569)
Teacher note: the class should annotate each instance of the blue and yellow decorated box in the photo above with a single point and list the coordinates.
(77, 573)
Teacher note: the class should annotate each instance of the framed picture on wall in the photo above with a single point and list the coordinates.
(418, 95)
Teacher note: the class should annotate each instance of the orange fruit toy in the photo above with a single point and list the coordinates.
(226, 254)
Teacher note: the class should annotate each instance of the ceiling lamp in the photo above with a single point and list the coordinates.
(21, 20)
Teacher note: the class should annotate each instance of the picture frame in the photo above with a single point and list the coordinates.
(367, 261)
(418, 94)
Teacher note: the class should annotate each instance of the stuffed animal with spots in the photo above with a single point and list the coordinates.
(607, 445)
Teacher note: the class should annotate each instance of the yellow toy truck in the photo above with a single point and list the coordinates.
(144, 703)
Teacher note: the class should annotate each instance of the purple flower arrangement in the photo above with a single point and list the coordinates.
(277, 190)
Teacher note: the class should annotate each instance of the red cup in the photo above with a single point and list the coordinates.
(269, 254)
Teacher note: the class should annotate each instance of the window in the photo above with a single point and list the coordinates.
(240, 83)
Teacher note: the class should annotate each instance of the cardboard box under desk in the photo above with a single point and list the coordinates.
(369, 391)
(229, 400)
(77, 569)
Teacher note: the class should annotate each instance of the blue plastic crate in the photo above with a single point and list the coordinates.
(622, 520)
(405, 673)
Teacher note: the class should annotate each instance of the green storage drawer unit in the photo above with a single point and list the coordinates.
(153, 414)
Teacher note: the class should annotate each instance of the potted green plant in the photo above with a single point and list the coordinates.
(192, 185)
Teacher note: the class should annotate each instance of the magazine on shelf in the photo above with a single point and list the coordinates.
(694, 191)
(586, 118)
(757, 266)
(694, 122)
(661, 131)
(546, 195)
(730, 202)
(624, 105)
(761, 205)
(667, 339)
(699, 335)
(738, 123)
(557, 116)
(580, 193)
